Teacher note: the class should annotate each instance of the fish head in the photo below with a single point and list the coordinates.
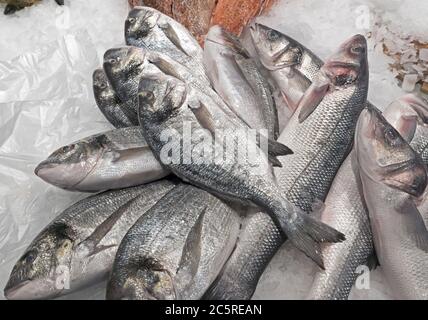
(160, 96)
(144, 280)
(348, 65)
(276, 50)
(406, 114)
(140, 24)
(71, 164)
(123, 63)
(101, 86)
(43, 271)
(386, 157)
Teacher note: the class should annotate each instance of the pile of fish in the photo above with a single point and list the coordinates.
(174, 220)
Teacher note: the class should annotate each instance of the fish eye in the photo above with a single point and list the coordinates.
(391, 135)
(68, 148)
(343, 79)
(30, 257)
(131, 20)
(358, 49)
(273, 35)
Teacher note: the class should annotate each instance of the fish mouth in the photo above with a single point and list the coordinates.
(12, 291)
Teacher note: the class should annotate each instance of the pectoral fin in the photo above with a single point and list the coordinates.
(173, 37)
(311, 99)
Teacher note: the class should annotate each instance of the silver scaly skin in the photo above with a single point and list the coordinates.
(111, 160)
(119, 114)
(152, 30)
(176, 249)
(322, 142)
(392, 174)
(164, 106)
(80, 243)
(236, 79)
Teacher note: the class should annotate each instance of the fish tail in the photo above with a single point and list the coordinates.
(306, 233)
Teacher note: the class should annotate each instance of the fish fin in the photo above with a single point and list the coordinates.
(311, 99)
(318, 206)
(204, 117)
(93, 240)
(421, 240)
(372, 261)
(60, 2)
(11, 9)
(274, 161)
(97, 249)
(291, 105)
(278, 149)
(170, 33)
(306, 234)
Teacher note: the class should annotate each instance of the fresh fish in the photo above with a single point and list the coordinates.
(164, 106)
(111, 160)
(118, 113)
(15, 5)
(150, 29)
(176, 249)
(409, 116)
(78, 247)
(322, 142)
(392, 174)
(126, 66)
(236, 79)
(344, 210)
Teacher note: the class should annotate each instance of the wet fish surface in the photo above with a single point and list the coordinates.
(119, 114)
(111, 160)
(176, 249)
(392, 174)
(78, 247)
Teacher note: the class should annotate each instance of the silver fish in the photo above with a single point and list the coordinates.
(392, 173)
(163, 106)
(78, 247)
(236, 79)
(322, 142)
(150, 29)
(176, 249)
(111, 160)
(118, 113)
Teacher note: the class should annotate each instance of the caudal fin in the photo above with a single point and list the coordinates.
(306, 233)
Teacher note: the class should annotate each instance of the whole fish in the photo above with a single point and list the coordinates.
(126, 66)
(392, 173)
(322, 142)
(164, 106)
(118, 113)
(150, 29)
(111, 160)
(236, 79)
(176, 249)
(78, 247)
(15, 5)
(409, 116)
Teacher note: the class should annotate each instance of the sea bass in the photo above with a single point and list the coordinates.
(176, 249)
(78, 247)
(164, 106)
(119, 114)
(322, 142)
(111, 160)
(236, 79)
(392, 173)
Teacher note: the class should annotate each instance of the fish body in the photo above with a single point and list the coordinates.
(119, 114)
(392, 174)
(78, 247)
(236, 79)
(322, 142)
(111, 160)
(176, 249)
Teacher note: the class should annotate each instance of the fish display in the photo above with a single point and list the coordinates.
(111, 160)
(392, 173)
(78, 247)
(176, 249)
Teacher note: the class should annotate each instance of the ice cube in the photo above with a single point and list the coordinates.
(409, 82)
(423, 54)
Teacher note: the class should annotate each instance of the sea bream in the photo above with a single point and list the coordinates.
(164, 106)
(236, 79)
(176, 249)
(78, 247)
(322, 142)
(111, 160)
(119, 114)
(392, 174)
